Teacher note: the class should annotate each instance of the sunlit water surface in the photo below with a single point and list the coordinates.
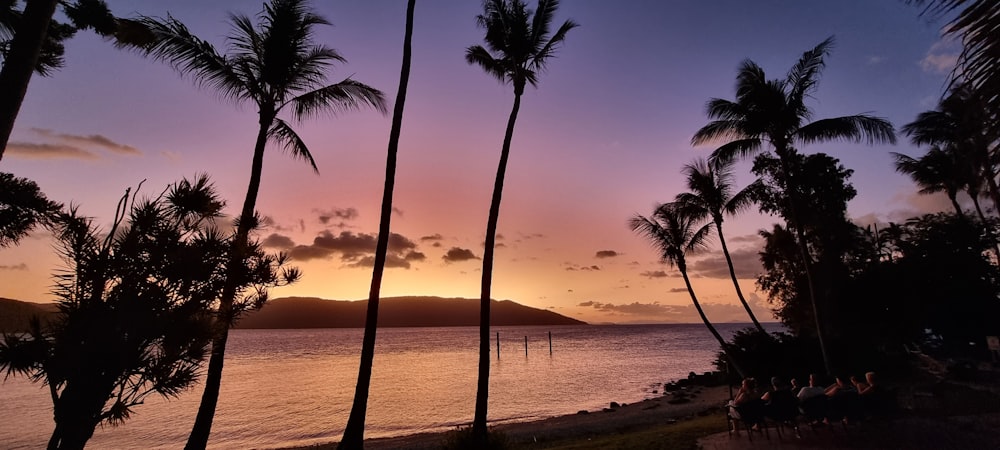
(294, 387)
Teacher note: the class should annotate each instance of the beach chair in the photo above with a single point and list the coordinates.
(748, 416)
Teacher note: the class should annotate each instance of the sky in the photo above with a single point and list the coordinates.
(602, 138)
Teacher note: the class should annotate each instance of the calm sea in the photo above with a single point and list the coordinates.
(295, 387)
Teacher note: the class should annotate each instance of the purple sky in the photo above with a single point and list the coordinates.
(603, 137)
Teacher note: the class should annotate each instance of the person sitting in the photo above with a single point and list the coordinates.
(780, 405)
(842, 399)
(812, 401)
(747, 405)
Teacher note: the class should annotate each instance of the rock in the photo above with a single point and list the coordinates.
(614, 405)
(583, 411)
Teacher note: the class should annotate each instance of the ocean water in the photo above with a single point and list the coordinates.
(294, 387)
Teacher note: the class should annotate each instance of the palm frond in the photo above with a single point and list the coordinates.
(744, 198)
(548, 50)
(857, 128)
(656, 236)
(802, 78)
(479, 56)
(285, 136)
(738, 149)
(717, 130)
(347, 95)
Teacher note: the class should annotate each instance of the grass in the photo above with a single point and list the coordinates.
(682, 435)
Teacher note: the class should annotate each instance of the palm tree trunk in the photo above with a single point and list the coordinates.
(482, 392)
(732, 274)
(697, 305)
(20, 62)
(991, 184)
(354, 434)
(958, 208)
(198, 439)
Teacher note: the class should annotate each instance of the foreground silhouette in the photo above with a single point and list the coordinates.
(273, 65)
(519, 46)
(354, 433)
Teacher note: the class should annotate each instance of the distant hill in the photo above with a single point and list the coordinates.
(310, 312)
(15, 314)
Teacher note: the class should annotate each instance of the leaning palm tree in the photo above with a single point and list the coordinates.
(354, 434)
(274, 65)
(673, 234)
(774, 112)
(936, 171)
(519, 46)
(710, 195)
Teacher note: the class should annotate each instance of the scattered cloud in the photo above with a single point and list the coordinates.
(327, 216)
(657, 312)
(275, 240)
(942, 57)
(917, 204)
(605, 254)
(356, 249)
(676, 290)
(746, 263)
(415, 256)
(654, 274)
(92, 140)
(397, 211)
(456, 254)
(574, 267)
(21, 266)
(874, 60)
(391, 262)
(745, 238)
(432, 238)
(171, 156)
(48, 151)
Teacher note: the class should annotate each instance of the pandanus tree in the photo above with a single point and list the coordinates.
(274, 65)
(354, 433)
(674, 234)
(710, 195)
(134, 308)
(518, 46)
(773, 112)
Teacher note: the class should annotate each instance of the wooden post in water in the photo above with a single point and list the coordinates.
(498, 345)
(550, 343)
(525, 346)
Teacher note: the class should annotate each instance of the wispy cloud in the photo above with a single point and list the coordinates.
(48, 151)
(654, 274)
(605, 254)
(941, 57)
(21, 266)
(91, 140)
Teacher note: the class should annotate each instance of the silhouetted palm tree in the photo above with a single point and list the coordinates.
(673, 234)
(710, 195)
(23, 206)
(774, 111)
(354, 433)
(936, 171)
(962, 126)
(274, 65)
(519, 46)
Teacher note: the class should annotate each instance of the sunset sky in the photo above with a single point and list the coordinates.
(603, 137)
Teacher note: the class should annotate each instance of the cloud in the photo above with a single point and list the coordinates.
(92, 140)
(657, 312)
(573, 267)
(270, 223)
(326, 216)
(746, 238)
(356, 249)
(456, 254)
(676, 290)
(746, 263)
(605, 254)
(275, 240)
(654, 274)
(397, 211)
(48, 151)
(917, 204)
(432, 238)
(874, 60)
(21, 266)
(942, 57)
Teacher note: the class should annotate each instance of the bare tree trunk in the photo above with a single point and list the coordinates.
(711, 328)
(479, 431)
(21, 61)
(354, 433)
(732, 274)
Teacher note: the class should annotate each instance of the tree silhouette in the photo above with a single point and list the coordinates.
(710, 195)
(935, 171)
(272, 64)
(134, 308)
(23, 206)
(673, 234)
(354, 433)
(774, 111)
(519, 46)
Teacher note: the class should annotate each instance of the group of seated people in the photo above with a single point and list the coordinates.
(846, 399)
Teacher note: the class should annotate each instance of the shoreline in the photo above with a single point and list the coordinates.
(684, 400)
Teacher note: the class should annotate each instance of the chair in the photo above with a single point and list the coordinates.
(783, 409)
(748, 414)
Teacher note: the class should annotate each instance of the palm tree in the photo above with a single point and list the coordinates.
(710, 194)
(519, 46)
(274, 65)
(962, 126)
(936, 171)
(354, 433)
(673, 234)
(774, 111)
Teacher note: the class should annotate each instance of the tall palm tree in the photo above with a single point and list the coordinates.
(774, 111)
(354, 433)
(274, 65)
(673, 233)
(710, 194)
(518, 46)
(963, 126)
(936, 171)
